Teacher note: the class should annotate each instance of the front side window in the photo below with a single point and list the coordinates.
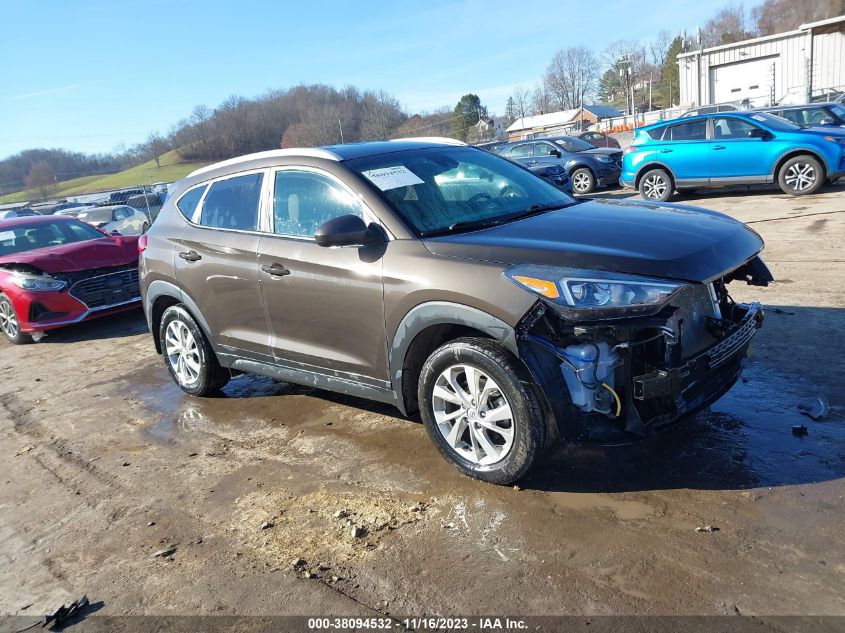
(692, 131)
(188, 203)
(544, 149)
(731, 128)
(233, 203)
(520, 151)
(303, 200)
(443, 190)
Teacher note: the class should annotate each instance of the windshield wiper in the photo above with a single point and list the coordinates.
(534, 209)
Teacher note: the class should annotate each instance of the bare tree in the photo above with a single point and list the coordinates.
(777, 16)
(522, 102)
(571, 77)
(727, 26)
(541, 100)
(42, 177)
(155, 146)
(381, 114)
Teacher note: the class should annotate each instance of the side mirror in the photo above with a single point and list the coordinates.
(758, 133)
(345, 230)
(556, 153)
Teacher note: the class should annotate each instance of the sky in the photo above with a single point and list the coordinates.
(91, 75)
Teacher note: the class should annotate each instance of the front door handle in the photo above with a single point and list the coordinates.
(190, 256)
(666, 151)
(276, 270)
(715, 147)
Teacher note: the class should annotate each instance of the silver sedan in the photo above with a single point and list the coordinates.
(120, 218)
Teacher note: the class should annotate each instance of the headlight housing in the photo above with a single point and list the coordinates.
(594, 294)
(27, 281)
(604, 158)
(835, 139)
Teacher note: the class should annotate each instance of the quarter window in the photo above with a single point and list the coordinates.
(692, 131)
(302, 201)
(188, 203)
(233, 203)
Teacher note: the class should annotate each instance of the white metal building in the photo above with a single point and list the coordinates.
(786, 67)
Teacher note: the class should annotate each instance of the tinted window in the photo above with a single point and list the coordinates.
(233, 203)
(302, 201)
(520, 151)
(188, 203)
(692, 131)
(730, 127)
(45, 234)
(571, 144)
(656, 133)
(544, 149)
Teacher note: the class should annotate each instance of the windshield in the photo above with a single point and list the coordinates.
(774, 122)
(572, 144)
(28, 237)
(442, 190)
(839, 112)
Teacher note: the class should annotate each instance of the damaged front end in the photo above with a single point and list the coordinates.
(619, 357)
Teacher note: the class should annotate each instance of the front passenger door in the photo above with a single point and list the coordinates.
(324, 305)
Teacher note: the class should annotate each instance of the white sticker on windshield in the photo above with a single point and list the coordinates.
(392, 177)
(757, 117)
(7, 236)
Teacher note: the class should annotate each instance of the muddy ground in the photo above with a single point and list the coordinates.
(105, 462)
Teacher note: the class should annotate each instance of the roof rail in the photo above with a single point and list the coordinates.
(443, 140)
(273, 153)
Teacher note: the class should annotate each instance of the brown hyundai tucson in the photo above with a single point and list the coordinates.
(452, 283)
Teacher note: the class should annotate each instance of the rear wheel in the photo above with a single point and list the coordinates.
(9, 324)
(583, 181)
(801, 175)
(480, 411)
(656, 185)
(192, 363)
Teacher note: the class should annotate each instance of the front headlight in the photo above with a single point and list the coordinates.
(835, 139)
(593, 294)
(604, 158)
(26, 281)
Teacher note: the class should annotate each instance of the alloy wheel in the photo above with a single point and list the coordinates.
(800, 176)
(8, 319)
(581, 182)
(182, 352)
(655, 187)
(473, 414)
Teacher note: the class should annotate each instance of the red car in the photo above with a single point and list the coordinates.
(597, 139)
(58, 270)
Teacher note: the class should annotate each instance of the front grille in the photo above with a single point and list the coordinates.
(729, 345)
(107, 290)
(695, 306)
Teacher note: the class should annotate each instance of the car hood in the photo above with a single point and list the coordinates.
(825, 130)
(90, 254)
(642, 238)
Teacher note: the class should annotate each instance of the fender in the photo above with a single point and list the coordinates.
(653, 165)
(439, 313)
(812, 151)
(160, 288)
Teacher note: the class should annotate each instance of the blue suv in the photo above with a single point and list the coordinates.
(731, 148)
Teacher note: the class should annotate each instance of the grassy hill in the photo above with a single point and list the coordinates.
(172, 168)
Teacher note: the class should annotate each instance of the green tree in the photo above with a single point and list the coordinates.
(669, 91)
(466, 114)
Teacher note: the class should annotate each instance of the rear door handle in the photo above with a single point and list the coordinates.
(276, 270)
(715, 147)
(190, 256)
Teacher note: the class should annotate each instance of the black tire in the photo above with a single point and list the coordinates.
(583, 181)
(656, 185)
(210, 376)
(801, 176)
(10, 324)
(526, 424)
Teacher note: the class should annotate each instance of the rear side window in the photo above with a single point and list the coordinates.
(188, 203)
(692, 131)
(233, 203)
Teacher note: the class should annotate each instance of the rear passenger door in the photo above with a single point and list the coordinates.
(686, 150)
(324, 305)
(216, 264)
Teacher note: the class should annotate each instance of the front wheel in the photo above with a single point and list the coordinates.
(479, 410)
(9, 324)
(801, 175)
(656, 185)
(192, 363)
(583, 181)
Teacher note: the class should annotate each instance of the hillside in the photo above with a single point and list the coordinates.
(172, 168)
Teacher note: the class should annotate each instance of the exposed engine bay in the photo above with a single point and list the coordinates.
(614, 380)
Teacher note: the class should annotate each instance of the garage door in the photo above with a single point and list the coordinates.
(746, 80)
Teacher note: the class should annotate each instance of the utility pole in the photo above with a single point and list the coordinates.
(341, 131)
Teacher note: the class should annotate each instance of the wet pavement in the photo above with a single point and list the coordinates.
(108, 462)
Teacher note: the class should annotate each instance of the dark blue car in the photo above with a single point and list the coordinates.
(588, 166)
(732, 148)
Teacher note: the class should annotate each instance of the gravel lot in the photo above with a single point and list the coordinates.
(107, 462)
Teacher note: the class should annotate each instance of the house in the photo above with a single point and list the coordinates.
(488, 129)
(562, 122)
(791, 67)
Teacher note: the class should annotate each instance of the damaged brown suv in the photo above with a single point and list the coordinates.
(449, 281)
